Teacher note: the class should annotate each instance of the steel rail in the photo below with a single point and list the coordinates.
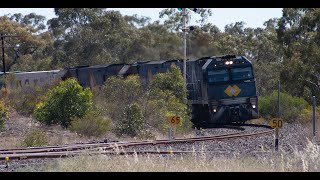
(105, 145)
(102, 148)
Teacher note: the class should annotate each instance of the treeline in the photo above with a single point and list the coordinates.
(286, 48)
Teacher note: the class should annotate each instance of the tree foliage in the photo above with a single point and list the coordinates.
(286, 48)
(290, 107)
(35, 44)
(148, 106)
(171, 81)
(64, 102)
(131, 121)
(167, 97)
(298, 34)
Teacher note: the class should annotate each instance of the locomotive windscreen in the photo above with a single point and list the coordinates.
(218, 75)
(241, 73)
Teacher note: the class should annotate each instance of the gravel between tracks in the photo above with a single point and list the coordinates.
(291, 136)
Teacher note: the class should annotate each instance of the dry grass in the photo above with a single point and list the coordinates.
(301, 161)
(257, 121)
(152, 163)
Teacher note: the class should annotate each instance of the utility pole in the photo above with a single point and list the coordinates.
(3, 62)
(2, 47)
(184, 46)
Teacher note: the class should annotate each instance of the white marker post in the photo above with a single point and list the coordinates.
(277, 128)
(314, 116)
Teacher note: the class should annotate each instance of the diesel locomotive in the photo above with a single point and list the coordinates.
(222, 90)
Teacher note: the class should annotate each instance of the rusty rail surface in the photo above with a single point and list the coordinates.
(102, 148)
(104, 145)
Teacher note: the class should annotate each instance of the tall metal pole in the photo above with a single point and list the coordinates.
(184, 46)
(278, 98)
(314, 115)
(276, 145)
(3, 62)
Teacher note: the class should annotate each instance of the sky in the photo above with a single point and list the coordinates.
(253, 17)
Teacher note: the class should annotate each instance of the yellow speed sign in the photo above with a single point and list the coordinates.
(276, 123)
(174, 120)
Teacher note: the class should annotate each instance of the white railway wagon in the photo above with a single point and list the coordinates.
(34, 78)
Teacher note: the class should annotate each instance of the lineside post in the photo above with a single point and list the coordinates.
(7, 164)
(170, 133)
(276, 144)
(314, 116)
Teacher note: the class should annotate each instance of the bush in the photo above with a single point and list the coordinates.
(123, 90)
(166, 98)
(131, 121)
(3, 114)
(306, 115)
(24, 100)
(92, 124)
(36, 137)
(290, 107)
(64, 102)
(161, 105)
(172, 81)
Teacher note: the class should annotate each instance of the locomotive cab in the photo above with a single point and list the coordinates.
(230, 89)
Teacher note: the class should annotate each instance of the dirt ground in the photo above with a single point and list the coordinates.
(17, 127)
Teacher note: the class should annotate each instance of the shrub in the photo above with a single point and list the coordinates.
(64, 102)
(4, 83)
(121, 92)
(92, 124)
(167, 97)
(172, 81)
(36, 137)
(24, 100)
(131, 121)
(306, 115)
(3, 114)
(161, 105)
(164, 97)
(290, 107)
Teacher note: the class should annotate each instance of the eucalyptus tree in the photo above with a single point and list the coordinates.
(298, 32)
(33, 43)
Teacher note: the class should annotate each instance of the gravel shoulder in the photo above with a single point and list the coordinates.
(292, 137)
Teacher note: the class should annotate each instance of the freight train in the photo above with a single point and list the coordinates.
(221, 89)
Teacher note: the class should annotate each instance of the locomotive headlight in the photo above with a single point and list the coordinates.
(227, 62)
(231, 62)
(214, 110)
(253, 106)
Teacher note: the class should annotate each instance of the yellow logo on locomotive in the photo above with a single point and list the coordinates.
(232, 90)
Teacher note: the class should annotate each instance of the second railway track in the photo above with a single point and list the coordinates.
(109, 148)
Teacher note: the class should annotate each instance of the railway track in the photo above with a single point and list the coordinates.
(111, 147)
